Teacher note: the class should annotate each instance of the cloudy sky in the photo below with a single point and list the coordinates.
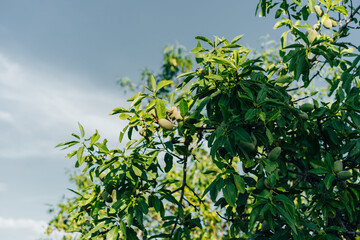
(59, 62)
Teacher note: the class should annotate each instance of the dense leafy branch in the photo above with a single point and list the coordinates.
(228, 148)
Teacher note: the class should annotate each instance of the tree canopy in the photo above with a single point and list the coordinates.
(237, 146)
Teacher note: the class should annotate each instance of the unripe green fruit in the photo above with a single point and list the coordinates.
(304, 116)
(105, 195)
(319, 11)
(249, 147)
(344, 175)
(307, 107)
(338, 166)
(260, 183)
(333, 22)
(311, 35)
(267, 184)
(327, 23)
(165, 124)
(275, 153)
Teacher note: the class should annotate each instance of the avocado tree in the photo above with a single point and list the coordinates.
(241, 147)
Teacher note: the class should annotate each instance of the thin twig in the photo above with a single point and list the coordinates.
(193, 205)
(227, 219)
(174, 155)
(201, 201)
(297, 100)
(351, 18)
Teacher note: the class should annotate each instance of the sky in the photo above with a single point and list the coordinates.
(59, 62)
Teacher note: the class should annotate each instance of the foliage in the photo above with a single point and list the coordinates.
(242, 157)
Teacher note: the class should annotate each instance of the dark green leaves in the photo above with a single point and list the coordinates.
(168, 162)
(230, 193)
(242, 147)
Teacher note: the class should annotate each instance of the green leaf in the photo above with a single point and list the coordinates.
(143, 205)
(96, 228)
(79, 154)
(311, 4)
(319, 171)
(254, 215)
(168, 162)
(76, 136)
(182, 150)
(183, 107)
(122, 133)
(230, 193)
(123, 228)
(153, 83)
(204, 39)
(236, 39)
(212, 185)
(223, 61)
(137, 101)
(94, 138)
(71, 154)
(284, 79)
(288, 219)
(186, 74)
(161, 235)
(156, 203)
(102, 147)
(328, 180)
(285, 200)
(160, 109)
(242, 135)
(342, 10)
(281, 23)
(136, 170)
(269, 136)
(295, 45)
(251, 114)
(163, 83)
(214, 77)
(283, 39)
(299, 65)
(67, 144)
(81, 130)
(240, 183)
(119, 110)
(124, 116)
(113, 234)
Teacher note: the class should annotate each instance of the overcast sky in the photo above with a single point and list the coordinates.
(59, 62)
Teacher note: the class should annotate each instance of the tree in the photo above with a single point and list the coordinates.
(244, 150)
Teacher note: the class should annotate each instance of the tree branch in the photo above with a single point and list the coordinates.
(351, 18)
(181, 195)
